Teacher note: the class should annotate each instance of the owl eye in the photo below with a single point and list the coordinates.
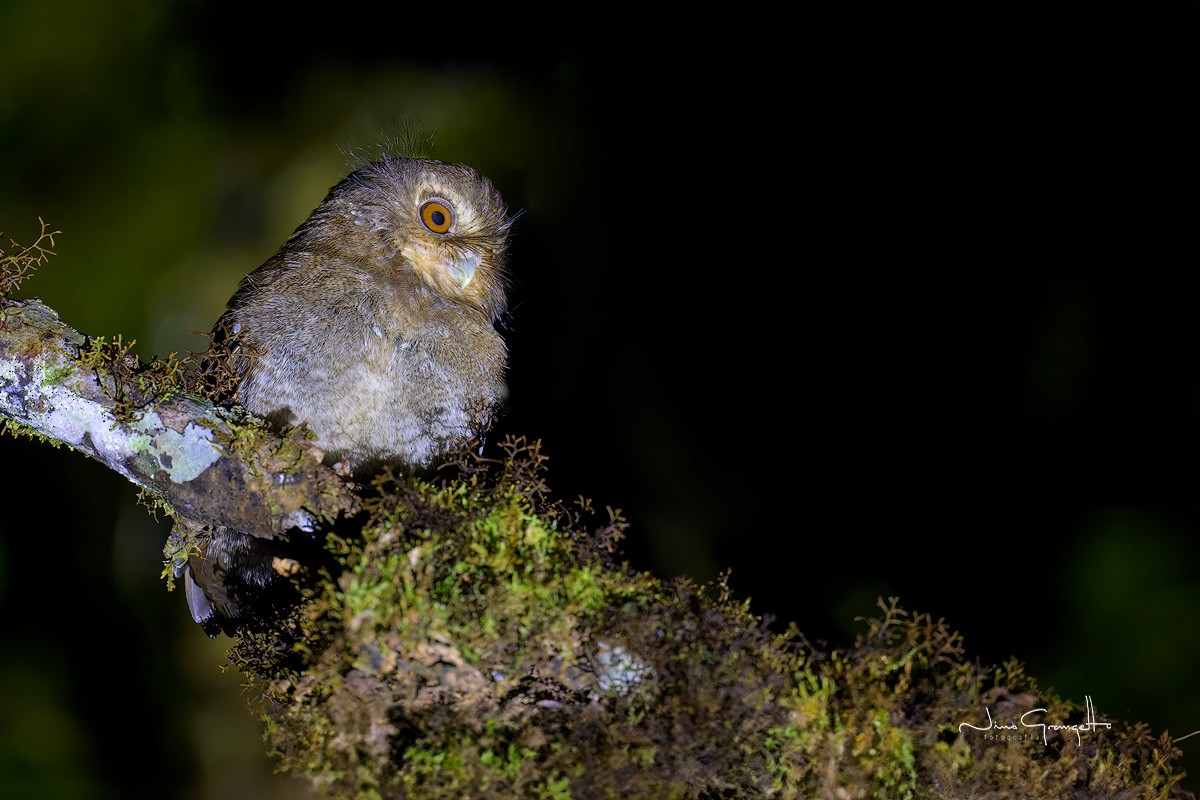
(436, 216)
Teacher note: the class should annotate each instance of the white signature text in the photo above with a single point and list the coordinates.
(1089, 724)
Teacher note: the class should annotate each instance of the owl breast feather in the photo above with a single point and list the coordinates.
(400, 401)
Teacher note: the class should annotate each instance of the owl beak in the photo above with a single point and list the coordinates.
(463, 269)
(441, 266)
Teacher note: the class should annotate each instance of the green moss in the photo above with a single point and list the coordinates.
(476, 639)
(134, 385)
(15, 429)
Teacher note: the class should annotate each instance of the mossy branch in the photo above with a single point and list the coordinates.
(471, 637)
(204, 464)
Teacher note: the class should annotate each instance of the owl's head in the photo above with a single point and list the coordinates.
(443, 224)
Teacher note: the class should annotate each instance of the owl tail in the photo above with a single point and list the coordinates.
(225, 572)
(198, 602)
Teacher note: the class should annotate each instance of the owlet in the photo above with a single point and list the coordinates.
(375, 325)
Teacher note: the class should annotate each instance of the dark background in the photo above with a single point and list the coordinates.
(852, 306)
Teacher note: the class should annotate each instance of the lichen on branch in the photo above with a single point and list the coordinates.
(203, 463)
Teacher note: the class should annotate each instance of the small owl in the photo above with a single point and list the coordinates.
(375, 324)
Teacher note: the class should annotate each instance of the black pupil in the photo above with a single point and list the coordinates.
(437, 218)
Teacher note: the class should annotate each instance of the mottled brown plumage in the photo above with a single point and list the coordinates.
(376, 328)
(375, 325)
